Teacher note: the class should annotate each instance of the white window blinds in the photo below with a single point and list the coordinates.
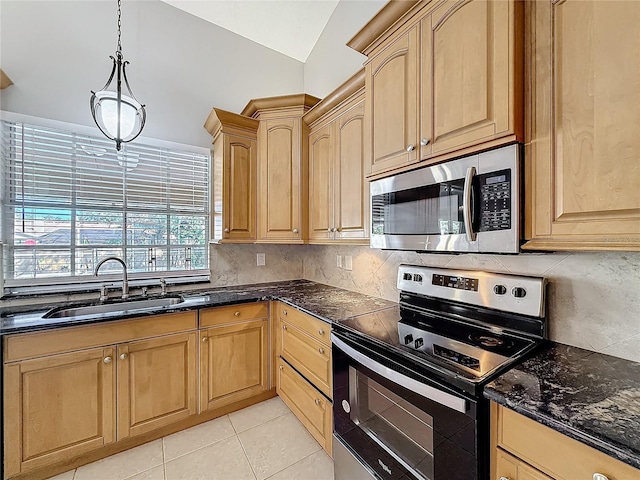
(70, 200)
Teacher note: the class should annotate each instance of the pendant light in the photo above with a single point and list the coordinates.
(119, 117)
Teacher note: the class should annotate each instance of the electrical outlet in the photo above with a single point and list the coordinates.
(339, 261)
(348, 262)
(260, 259)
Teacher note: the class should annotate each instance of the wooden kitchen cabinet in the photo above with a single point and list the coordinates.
(234, 357)
(157, 383)
(582, 148)
(282, 167)
(306, 402)
(524, 449)
(338, 192)
(443, 79)
(58, 406)
(234, 174)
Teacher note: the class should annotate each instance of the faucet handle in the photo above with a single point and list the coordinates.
(104, 293)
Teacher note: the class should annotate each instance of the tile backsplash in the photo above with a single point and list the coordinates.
(594, 298)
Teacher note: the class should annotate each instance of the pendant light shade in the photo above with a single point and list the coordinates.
(119, 117)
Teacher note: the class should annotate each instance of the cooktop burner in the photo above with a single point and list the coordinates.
(488, 340)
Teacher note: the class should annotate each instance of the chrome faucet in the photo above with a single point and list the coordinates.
(125, 281)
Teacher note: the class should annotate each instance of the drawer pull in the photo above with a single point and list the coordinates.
(123, 356)
(317, 401)
(284, 327)
(204, 339)
(321, 350)
(237, 314)
(107, 359)
(281, 367)
(284, 312)
(600, 476)
(321, 332)
(505, 478)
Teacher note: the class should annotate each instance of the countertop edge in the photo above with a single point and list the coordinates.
(615, 451)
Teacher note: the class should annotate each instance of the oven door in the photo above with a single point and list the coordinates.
(396, 424)
(470, 204)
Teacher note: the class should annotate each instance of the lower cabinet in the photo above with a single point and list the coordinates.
(233, 363)
(157, 381)
(57, 407)
(524, 449)
(306, 402)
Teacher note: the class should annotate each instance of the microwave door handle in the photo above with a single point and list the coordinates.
(466, 204)
(443, 398)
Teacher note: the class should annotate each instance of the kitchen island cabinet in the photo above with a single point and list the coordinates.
(582, 146)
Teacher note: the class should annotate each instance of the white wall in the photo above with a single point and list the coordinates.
(57, 51)
(331, 62)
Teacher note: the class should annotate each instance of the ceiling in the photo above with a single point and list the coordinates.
(291, 27)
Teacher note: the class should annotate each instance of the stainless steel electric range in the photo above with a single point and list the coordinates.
(407, 385)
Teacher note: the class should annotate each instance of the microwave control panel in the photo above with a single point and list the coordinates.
(495, 201)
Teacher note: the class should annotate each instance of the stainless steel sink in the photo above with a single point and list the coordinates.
(113, 307)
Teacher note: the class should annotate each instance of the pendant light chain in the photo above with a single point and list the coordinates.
(119, 50)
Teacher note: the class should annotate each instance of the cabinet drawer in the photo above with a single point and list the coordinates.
(508, 466)
(548, 450)
(318, 329)
(37, 344)
(311, 408)
(233, 313)
(308, 356)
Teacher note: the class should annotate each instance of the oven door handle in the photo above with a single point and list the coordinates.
(466, 204)
(443, 398)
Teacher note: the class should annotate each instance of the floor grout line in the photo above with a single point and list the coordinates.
(247, 458)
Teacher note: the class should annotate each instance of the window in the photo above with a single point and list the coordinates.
(69, 200)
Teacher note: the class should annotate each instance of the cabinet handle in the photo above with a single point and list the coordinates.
(123, 356)
(329, 230)
(281, 367)
(321, 350)
(295, 230)
(411, 148)
(237, 314)
(600, 476)
(321, 332)
(317, 401)
(226, 230)
(424, 142)
(334, 229)
(204, 339)
(107, 359)
(284, 327)
(284, 312)
(505, 478)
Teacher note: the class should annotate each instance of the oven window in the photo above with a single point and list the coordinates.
(427, 210)
(400, 428)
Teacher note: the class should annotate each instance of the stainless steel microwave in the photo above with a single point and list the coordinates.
(470, 204)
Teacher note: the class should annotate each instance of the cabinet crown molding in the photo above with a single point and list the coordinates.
(340, 94)
(284, 102)
(384, 21)
(221, 120)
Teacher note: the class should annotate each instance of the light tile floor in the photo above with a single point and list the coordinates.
(264, 441)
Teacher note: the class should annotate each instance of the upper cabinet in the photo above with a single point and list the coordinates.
(443, 78)
(234, 173)
(282, 166)
(338, 192)
(583, 146)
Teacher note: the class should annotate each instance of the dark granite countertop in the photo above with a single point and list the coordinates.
(591, 397)
(322, 301)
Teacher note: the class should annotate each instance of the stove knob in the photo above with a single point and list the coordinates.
(499, 289)
(408, 339)
(518, 292)
(418, 343)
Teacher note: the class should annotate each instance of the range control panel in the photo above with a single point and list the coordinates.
(501, 291)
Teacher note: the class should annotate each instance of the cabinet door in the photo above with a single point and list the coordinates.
(584, 147)
(321, 180)
(280, 179)
(392, 103)
(309, 405)
(233, 363)
(351, 190)
(156, 383)
(239, 208)
(468, 74)
(58, 407)
(509, 467)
